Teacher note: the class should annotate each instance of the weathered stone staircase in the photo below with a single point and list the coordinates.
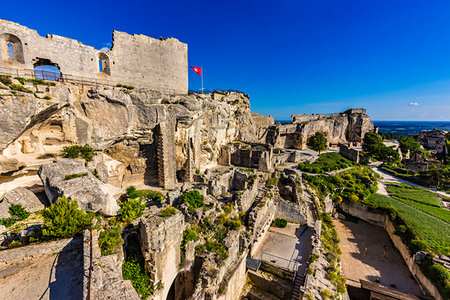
(299, 281)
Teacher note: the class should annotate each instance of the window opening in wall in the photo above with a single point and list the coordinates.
(103, 63)
(45, 69)
(11, 50)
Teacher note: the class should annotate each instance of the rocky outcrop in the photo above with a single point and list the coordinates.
(90, 193)
(10, 165)
(347, 127)
(21, 196)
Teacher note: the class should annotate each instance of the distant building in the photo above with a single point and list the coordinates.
(434, 139)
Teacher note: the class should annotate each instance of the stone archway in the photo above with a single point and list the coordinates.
(182, 286)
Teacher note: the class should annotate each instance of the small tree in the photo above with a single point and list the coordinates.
(317, 142)
(409, 143)
(372, 143)
(63, 219)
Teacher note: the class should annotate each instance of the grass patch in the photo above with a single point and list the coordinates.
(281, 223)
(434, 232)
(353, 185)
(419, 198)
(147, 195)
(168, 211)
(73, 176)
(128, 87)
(77, 151)
(47, 155)
(326, 162)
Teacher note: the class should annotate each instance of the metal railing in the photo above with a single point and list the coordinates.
(288, 264)
(85, 81)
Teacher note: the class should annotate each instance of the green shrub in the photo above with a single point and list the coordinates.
(47, 97)
(20, 88)
(128, 87)
(281, 223)
(86, 152)
(14, 244)
(5, 79)
(313, 257)
(73, 176)
(63, 219)
(188, 235)
(218, 248)
(197, 171)
(47, 155)
(148, 195)
(228, 208)
(95, 173)
(130, 209)
(272, 181)
(168, 211)
(17, 213)
(109, 240)
(193, 198)
(133, 270)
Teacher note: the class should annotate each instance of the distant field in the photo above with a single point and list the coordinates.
(419, 198)
(435, 232)
(326, 162)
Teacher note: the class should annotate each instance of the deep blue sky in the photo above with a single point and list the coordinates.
(306, 56)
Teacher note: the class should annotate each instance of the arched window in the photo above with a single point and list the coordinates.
(11, 50)
(103, 63)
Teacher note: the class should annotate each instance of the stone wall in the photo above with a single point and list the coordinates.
(34, 250)
(269, 286)
(349, 153)
(160, 243)
(160, 65)
(375, 217)
(260, 218)
(236, 282)
(410, 261)
(289, 211)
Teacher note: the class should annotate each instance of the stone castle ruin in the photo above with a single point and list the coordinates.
(138, 60)
(158, 136)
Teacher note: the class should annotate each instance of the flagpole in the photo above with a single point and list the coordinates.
(203, 71)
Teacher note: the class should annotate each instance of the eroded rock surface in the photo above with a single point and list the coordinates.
(90, 193)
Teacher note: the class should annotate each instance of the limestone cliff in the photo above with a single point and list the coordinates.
(140, 131)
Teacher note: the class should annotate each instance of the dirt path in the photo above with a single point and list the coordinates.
(386, 177)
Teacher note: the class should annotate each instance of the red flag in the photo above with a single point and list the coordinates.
(197, 70)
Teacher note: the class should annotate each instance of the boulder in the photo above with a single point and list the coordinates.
(9, 165)
(22, 196)
(90, 193)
